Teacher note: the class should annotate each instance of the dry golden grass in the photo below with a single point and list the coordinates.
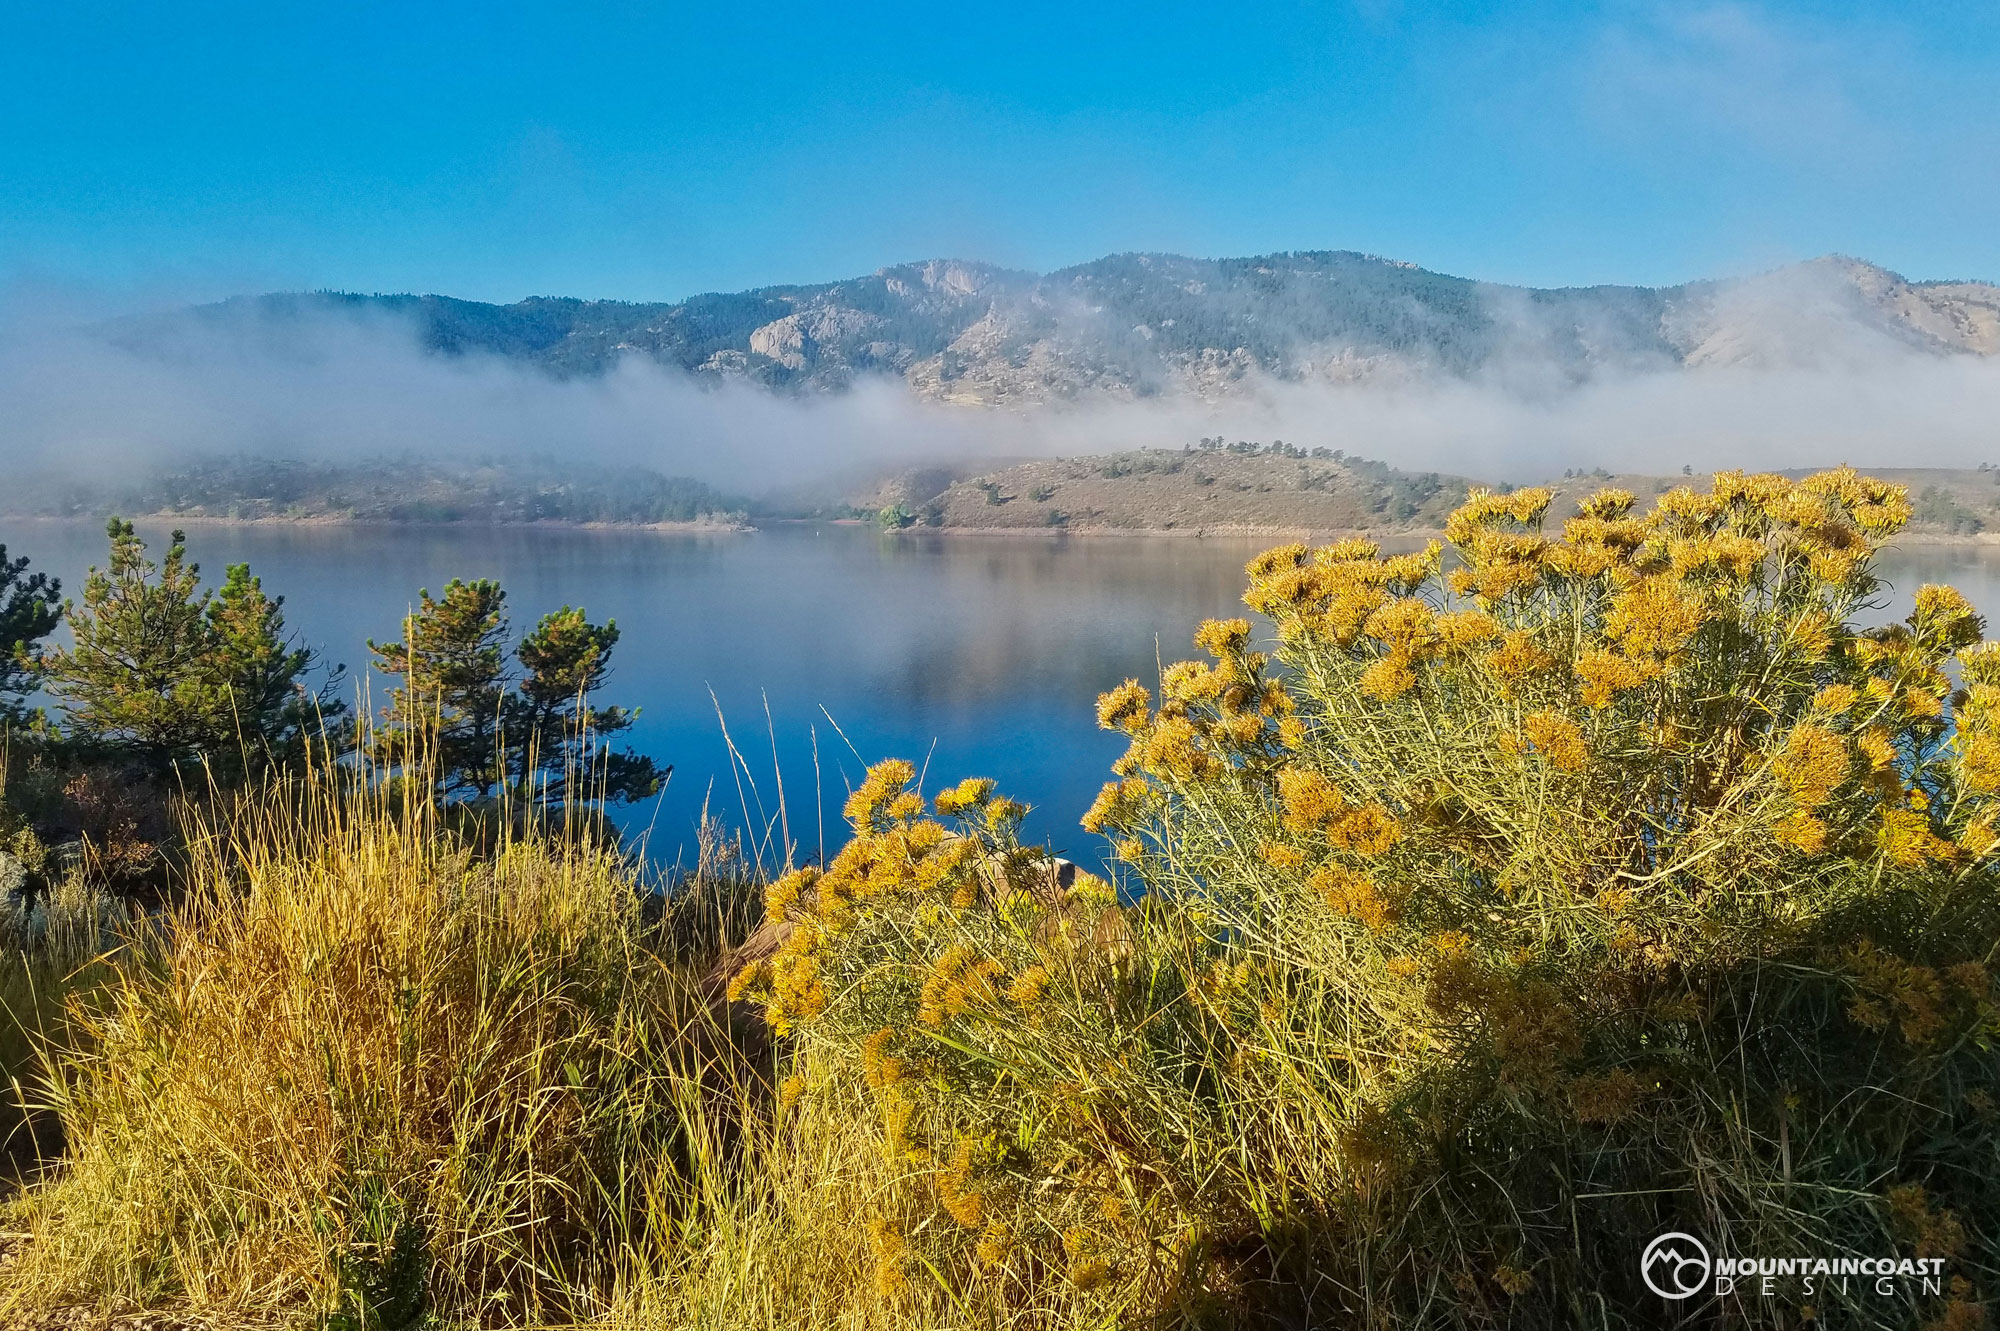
(363, 1066)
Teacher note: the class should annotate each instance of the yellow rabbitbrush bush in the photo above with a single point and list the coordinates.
(1540, 895)
(369, 1075)
(995, 1013)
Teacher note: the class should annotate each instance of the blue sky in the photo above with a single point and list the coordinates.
(501, 149)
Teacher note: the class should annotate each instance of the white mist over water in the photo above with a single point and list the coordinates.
(352, 385)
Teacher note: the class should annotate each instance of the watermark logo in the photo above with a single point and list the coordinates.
(1680, 1266)
(1675, 1266)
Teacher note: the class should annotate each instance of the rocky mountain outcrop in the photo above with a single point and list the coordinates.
(1144, 325)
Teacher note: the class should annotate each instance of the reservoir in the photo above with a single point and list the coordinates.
(822, 647)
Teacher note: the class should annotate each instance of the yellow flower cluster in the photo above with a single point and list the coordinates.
(1600, 537)
(1353, 894)
(967, 796)
(1655, 618)
(1557, 740)
(1116, 805)
(1978, 740)
(1880, 751)
(1979, 764)
(1089, 1263)
(1408, 630)
(798, 992)
(1499, 539)
(1518, 657)
(1879, 508)
(1944, 620)
(1193, 682)
(1028, 987)
(1366, 829)
(785, 893)
(1279, 855)
(884, 783)
(895, 857)
(1332, 592)
(890, 1250)
(1175, 747)
(962, 1198)
(1936, 1232)
(1207, 714)
(1222, 638)
(958, 983)
(994, 1243)
(1309, 802)
(1813, 763)
(1906, 839)
(1125, 708)
(1801, 831)
(1604, 1098)
(1921, 1000)
(1604, 675)
(880, 1069)
(1307, 798)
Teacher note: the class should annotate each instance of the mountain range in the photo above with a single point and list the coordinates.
(1145, 325)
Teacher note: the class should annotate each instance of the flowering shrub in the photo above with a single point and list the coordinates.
(1000, 1016)
(1526, 900)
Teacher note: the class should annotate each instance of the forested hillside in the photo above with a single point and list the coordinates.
(1140, 325)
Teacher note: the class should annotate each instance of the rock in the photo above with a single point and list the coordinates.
(13, 876)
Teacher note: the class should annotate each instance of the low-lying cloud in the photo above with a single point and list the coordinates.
(348, 386)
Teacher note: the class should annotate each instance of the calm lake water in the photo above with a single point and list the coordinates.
(976, 656)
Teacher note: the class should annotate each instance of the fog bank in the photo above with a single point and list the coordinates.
(90, 396)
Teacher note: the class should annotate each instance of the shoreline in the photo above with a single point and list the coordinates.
(1215, 533)
(189, 520)
(1236, 531)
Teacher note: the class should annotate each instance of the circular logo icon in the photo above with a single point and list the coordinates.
(1675, 1266)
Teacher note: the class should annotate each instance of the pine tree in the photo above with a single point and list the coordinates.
(463, 711)
(30, 608)
(556, 733)
(260, 670)
(140, 672)
(173, 672)
(453, 663)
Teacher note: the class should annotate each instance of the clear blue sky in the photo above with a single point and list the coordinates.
(500, 149)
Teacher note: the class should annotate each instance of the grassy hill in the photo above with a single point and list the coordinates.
(1248, 487)
(1207, 490)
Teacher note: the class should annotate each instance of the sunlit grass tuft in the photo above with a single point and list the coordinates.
(365, 1071)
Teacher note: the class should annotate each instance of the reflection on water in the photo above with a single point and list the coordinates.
(1972, 568)
(978, 655)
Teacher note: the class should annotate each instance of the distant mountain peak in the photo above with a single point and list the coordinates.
(1146, 324)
